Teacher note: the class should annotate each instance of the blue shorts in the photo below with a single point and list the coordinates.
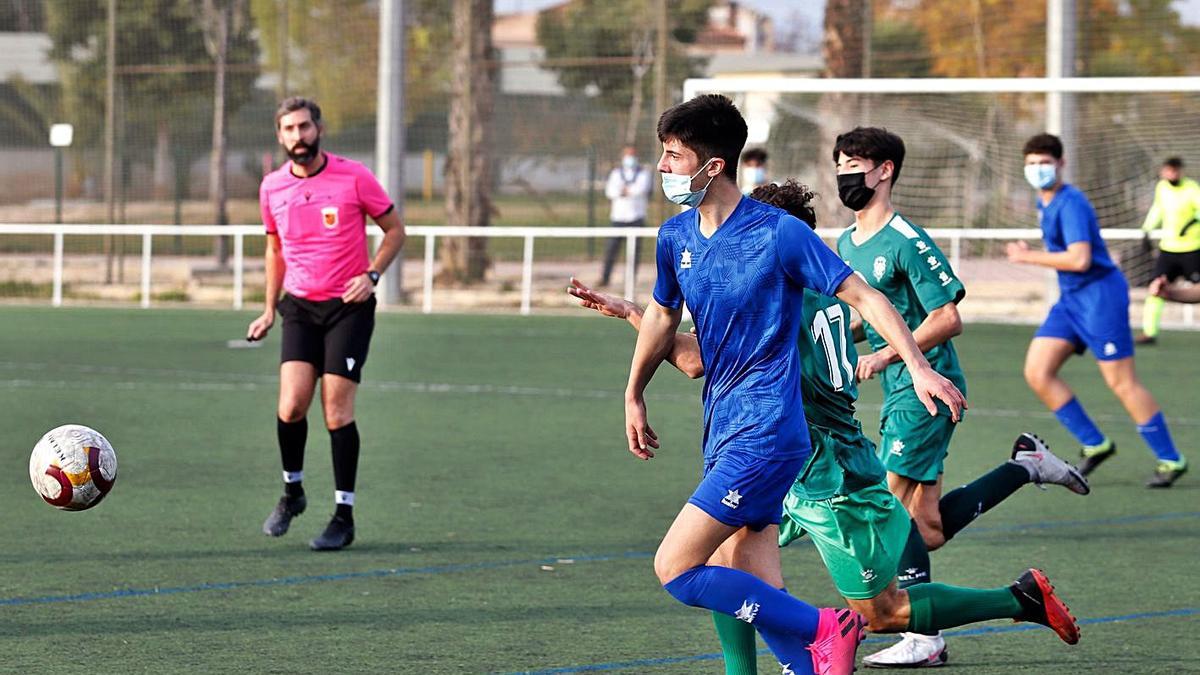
(742, 490)
(1094, 317)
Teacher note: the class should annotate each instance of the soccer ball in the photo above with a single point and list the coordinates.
(73, 467)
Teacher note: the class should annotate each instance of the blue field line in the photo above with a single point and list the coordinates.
(316, 578)
(500, 564)
(965, 632)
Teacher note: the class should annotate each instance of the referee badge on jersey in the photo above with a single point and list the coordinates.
(329, 216)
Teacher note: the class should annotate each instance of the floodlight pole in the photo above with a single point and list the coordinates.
(389, 127)
(1060, 63)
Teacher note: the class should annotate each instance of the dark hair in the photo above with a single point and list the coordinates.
(795, 198)
(755, 155)
(294, 103)
(873, 143)
(709, 125)
(1174, 162)
(1044, 144)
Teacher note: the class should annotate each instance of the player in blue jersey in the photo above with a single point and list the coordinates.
(742, 267)
(840, 499)
(1092, 313)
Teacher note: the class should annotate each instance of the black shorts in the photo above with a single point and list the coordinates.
(332, 335)
(1174, 266)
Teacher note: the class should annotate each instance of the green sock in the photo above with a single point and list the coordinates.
(737, 645)
(938, 606)
(961, 506)
(1152, 315)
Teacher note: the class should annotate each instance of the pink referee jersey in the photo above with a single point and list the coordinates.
(321, 222)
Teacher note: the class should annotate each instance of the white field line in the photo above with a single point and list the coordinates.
(205, 381)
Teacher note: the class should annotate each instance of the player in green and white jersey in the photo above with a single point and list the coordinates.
(900, 260)
(840, 499)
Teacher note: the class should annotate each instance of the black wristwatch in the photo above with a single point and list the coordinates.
(373, 276)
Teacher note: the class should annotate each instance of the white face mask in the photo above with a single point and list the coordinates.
(678, 187)
(1041, 176)
(754, 176)
(629, 162)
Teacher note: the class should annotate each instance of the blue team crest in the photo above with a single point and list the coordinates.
(685, 260)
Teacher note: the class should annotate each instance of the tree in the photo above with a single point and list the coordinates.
(329, 43)
(165, 77)
(843, 51)
(603, 49)
(469, 165)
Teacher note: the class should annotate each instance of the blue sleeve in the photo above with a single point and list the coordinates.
(666, 287)
(807, 260)
(1077, 221)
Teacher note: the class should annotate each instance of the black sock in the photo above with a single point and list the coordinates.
(914, 567)
(344, 442)
(960, 507)
(292, 437)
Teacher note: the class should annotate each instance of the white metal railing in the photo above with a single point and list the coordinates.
(431, 234)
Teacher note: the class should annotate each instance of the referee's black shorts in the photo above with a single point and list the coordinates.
(332, 335)
(1178, 266)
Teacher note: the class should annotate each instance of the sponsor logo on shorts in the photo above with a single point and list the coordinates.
(748, 612)
(897, 447)
(350, 363)
(685, 260)
(912, 574)
(732, 500)
(787, 669)
(868, 575)
(1110, 348)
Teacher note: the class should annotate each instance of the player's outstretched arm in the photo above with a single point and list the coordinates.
(1077, 257)
(1163, 289)
(685, 352)
(275, 267)
(877, 311)
(653, 344)
(941, 325)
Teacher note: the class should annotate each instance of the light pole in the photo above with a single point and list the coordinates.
(61, 136)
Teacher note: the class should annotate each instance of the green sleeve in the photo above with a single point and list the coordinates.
(1154, 216)
(929, 272)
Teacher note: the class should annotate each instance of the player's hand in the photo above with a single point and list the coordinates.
(358, 289)
(1159, 286)
(930, 385)
(870, 365)
(259, 327)
(642, 439)
(1016, 251)
(608, 305)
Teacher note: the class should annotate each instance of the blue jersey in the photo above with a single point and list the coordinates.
(745, 289)
(1067, 219)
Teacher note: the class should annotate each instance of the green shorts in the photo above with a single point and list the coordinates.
(860, 536)
(914, 444)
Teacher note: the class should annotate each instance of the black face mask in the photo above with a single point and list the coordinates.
(1175, 183)
(853, 190)
(303, 153)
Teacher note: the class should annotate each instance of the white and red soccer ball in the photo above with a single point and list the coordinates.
(73, 467)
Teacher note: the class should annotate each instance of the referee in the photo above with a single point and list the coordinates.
(1176, 209)
(314, 209)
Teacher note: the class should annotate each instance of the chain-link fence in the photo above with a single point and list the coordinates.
(565, 85)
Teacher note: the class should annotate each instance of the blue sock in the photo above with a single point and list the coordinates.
(1158, 437)
(1076, 420)
(787, 625)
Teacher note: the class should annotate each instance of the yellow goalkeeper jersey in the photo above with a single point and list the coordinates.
(1176, 209)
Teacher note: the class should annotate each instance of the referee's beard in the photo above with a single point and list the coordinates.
(304, 153)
